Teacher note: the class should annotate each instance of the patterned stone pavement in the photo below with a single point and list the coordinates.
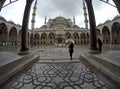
(57, 74)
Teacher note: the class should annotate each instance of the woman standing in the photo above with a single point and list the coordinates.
(71, 49)
(99, 44)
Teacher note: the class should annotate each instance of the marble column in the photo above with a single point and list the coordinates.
(24, 38)
(92, 23)
(117, 3)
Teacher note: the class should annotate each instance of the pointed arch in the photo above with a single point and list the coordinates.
(13, 36)
(98, 34)
(51, 37)
(3, 33)
(43, 38)
(76, 37)
(67, 35)
(36, 36)
(43, 35)
(83, 38)
(106, 35)
(115, 33)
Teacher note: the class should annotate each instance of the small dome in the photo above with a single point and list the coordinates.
(2, 18)
(76, 26)
(43, 26)
(116, 17)
(19, 25)
(11, 22)
(59, 18)
(107, 21)
(99, 24)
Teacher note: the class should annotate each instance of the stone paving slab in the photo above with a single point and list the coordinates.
(7, 57)
(111, 56)
(11, 63)
(107, 62)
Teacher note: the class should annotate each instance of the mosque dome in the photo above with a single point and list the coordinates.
(11, 22)
(43, 26)
(59, 22)
(116, 17)
(19, 25)
(76, 26)
(59, 18)
(2, 18)
(107, 21)
(99, 24)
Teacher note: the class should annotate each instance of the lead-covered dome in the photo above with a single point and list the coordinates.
(59, 22)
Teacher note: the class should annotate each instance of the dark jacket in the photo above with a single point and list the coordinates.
(71, 46)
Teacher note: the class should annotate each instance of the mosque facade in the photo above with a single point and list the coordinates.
(57, 31)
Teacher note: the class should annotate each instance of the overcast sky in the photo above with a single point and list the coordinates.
(54, 8)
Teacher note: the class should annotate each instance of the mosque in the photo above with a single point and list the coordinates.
(57, 30)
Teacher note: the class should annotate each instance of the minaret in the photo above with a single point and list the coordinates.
(33, 15)
(85, 15)
(73, 20)
(45, 23)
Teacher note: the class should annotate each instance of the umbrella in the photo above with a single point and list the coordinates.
(70, 40)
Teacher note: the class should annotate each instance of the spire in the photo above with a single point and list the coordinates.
(33, 15)
(45, 20)
(85, 15)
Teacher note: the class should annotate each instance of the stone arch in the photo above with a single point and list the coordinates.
(76, 37)
(83, 38)
(43, 35)
(98, 34)
(51, 37)
(13, 36)
(3, 34)
(106, 35)
(67, 35)
(115, 33)
(36, 38)
(43, 38)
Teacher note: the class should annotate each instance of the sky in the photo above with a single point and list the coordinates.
(53, 8)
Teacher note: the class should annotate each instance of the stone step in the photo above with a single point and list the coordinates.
(109, 61)
(74, 60)
(18, 63)
(107, 67)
